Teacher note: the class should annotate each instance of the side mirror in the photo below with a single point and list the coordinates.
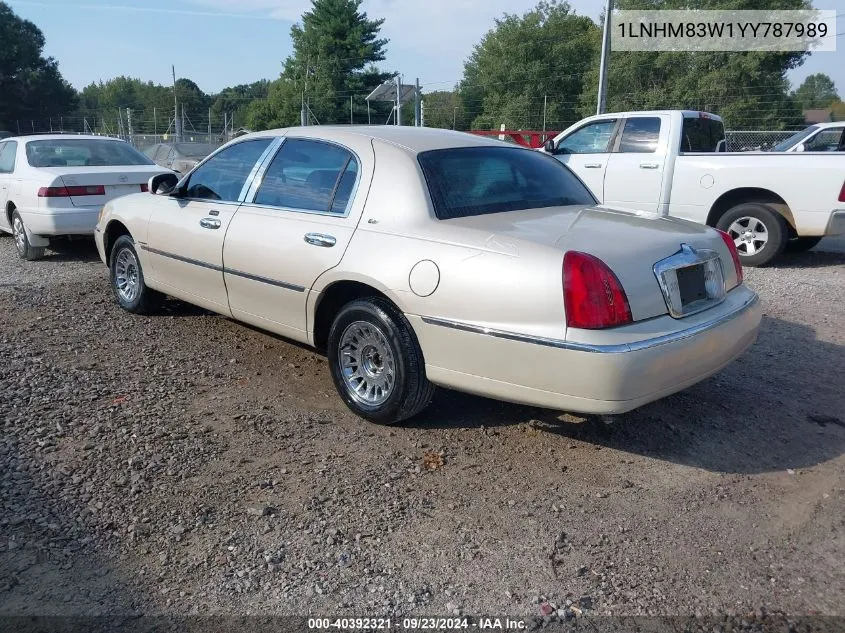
(800, 147)
(162, 184)
(549, 146)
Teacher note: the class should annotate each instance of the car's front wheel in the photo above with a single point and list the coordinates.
(759, 232)
(127, 279)
(376, 362)
(26, 250)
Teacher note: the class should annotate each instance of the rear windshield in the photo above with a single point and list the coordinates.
(703, 135)
(83, 153)
(470, 181)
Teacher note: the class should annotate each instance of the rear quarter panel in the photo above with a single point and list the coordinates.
(808, 183)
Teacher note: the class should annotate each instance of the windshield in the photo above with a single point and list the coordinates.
(195, 150)
(83, 153)
(794, 139)
(471, 181)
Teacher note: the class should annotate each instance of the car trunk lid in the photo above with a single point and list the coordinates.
(631, 244)
(91, 186)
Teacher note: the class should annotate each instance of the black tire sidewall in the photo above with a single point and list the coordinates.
(775, 226)
(389, 324)
(125, 242)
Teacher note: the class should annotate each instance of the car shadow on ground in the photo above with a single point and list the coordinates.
(771, 410)
(72, 250)
(809, 259)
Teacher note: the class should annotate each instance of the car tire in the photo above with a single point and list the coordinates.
(759, 231)
(127, 279)
(25, 250)
(376, 362)
(801, 244)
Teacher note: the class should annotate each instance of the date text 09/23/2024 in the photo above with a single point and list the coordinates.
(415, 624)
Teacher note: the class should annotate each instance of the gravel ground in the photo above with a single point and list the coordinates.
(185, 464)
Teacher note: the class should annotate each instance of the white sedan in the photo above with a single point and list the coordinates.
(417, 257)
(56, 184)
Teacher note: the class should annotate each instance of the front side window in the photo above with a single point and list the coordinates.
(223, 176)
(309, 175)
(8, 150)
(593, 138)
(470, 181)
(824, 141)
(640, 135)
(83, 153)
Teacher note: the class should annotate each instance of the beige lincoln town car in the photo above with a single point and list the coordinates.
(417, 257)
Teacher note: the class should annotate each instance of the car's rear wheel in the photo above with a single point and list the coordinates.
(26, 250)
(127, 279)
(759, 232)
(801, 244)
(376, 362)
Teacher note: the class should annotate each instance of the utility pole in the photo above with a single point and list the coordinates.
(226, 126)
(605, 53)
(454, 116)
(417, 106)
(398, 100)
(155, 122)
(209, 125)
(175, 109)
(545, 104)
(350, 110)
(303, 112)
(129, 123)
(422, 113)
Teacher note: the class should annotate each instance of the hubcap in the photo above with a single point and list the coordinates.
(20, 235)
(749, 234)
(126, 276)
(367, 364)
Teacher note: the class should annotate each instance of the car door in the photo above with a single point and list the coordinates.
(186, 230)
(586, 150)
(636, 165)
(294, 227)
(7, 164)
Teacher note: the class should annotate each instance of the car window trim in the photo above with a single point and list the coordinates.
(274, 140)
(250, 199)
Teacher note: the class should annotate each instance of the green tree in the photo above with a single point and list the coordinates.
(444, 109)
(747, 89)
(234, 102)
(817, 91)
(31, 86)
(334, 52)
(530, 64)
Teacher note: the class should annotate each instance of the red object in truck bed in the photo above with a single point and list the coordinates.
(526, 138)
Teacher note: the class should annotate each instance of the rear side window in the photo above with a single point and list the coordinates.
(223, 176)
(825, 141)
(640, 135)
(83, 153)
(470, 181)
(702, 135)
(7, 156)
(309, 175)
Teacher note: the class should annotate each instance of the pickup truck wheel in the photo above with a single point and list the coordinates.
(801, 244)
(127, 279)
(759, 232)
(26, 250)
(376, 362)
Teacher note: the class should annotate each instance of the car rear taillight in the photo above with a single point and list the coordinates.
(729, 242)
(66, 192)
(592, 295)
(842, 193)
(144, 188)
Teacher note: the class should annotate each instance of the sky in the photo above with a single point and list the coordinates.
(219, 43)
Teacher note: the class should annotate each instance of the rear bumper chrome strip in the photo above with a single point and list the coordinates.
(619, 348)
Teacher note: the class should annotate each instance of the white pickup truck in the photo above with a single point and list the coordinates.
(673, 162)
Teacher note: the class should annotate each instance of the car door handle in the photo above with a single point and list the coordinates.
(592, 165)
(319, 239)
(210, 223)
(649, 165)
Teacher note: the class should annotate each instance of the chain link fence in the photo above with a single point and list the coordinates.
(755, 140)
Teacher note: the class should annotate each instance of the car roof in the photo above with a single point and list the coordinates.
(411, 139)
(825, 124)
(56, 137)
